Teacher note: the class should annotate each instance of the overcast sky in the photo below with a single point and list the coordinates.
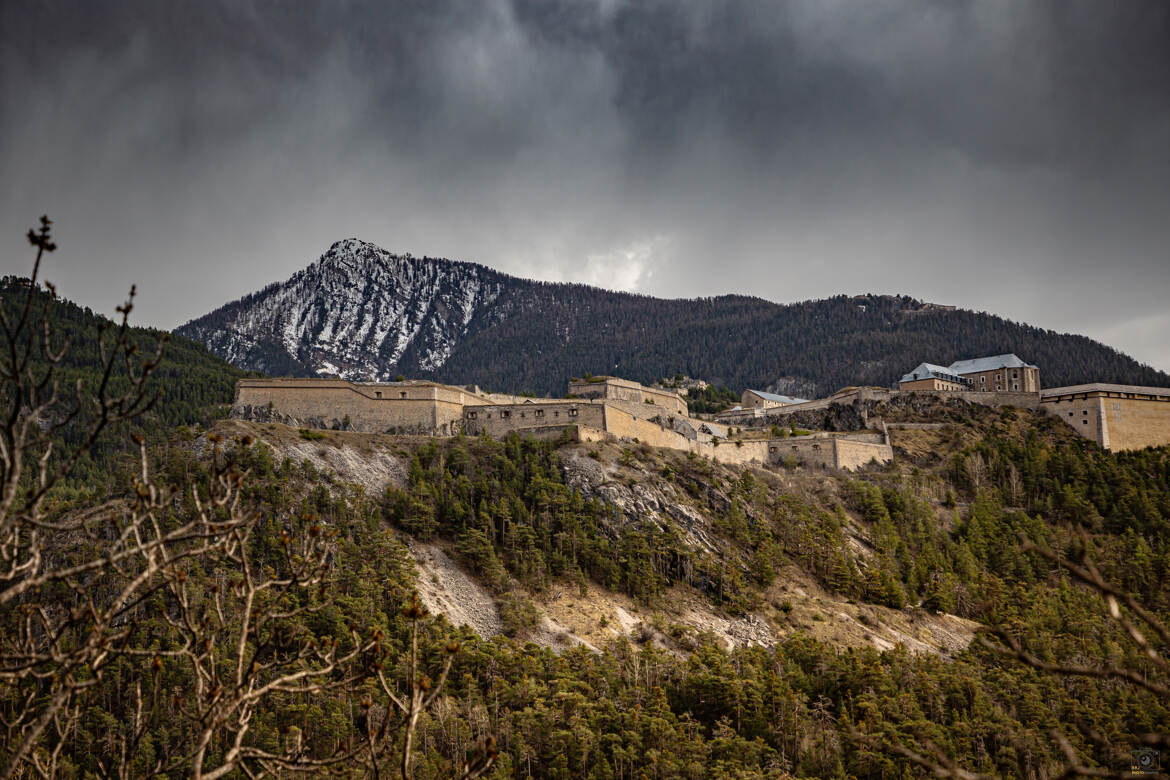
(1003, 155)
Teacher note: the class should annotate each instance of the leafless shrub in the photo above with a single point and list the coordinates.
(164, 580)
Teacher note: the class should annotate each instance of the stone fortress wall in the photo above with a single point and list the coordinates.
(378, 407)
(615, 389)
(619, 410)
(1117, 417)
(621, 418)
(828, 452)
(1085, 415)
(499, 420)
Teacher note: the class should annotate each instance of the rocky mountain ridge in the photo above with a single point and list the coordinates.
(362, 313)
(355, 313)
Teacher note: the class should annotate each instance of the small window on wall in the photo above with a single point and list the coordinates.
(471, 415)
(505, 414)
(404, 394)
(539, 413)
(572, 412)
(1084, 422)
(377, 394)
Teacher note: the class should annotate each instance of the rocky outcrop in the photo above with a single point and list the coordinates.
(637, 500)
(834, 417)
(448, 590)
(266, 414)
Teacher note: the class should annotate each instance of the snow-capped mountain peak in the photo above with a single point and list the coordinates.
(353, 313)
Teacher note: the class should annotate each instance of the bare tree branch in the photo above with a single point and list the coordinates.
(1155, 679)
(73, 585)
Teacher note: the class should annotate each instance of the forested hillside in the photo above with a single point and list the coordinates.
(192, 385)
(814, 347)
(803, 707)
(365, 314)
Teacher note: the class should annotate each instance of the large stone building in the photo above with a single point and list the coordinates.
(999, 374)
(615, 389)
(1117, 417)
(995, 374)
(928, 376)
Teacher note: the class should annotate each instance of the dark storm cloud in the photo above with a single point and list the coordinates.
(1005, 156)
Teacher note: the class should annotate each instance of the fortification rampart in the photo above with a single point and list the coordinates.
(387, 407)
(501, 419)
(838, 452)
(605, 420)
(615, 389)
(1117, 417)
(1019, 400)
(434, 409)
(852, 455)
(1085, 415)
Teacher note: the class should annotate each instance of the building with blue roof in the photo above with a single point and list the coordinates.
(1005, 373)
(928, 376)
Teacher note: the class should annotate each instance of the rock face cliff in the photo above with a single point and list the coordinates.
(362, 313)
